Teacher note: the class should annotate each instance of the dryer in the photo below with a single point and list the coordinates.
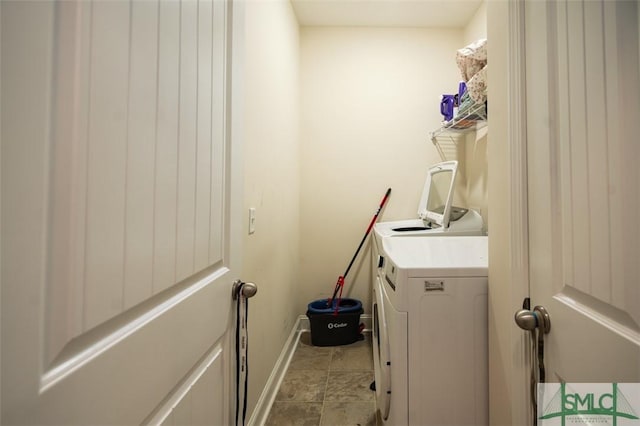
(436, 214)
(430, 331)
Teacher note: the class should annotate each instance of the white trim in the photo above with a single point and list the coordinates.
(517, 131)
(518, 195)
(268, 395)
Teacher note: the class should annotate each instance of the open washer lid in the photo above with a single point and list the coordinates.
(437, 195)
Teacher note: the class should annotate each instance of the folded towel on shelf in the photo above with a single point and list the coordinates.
(472, 61)
(472, 58)
(477, 86)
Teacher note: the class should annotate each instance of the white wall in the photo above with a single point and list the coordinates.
(271, 254)
(369, 98)
(477, 26)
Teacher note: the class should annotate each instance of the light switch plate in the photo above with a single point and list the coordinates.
(252, 220)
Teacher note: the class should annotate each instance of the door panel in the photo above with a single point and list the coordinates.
(584, 185)
(117, 260)
(166, 158)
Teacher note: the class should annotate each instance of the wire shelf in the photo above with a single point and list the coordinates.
(473, 119)
(446, 138)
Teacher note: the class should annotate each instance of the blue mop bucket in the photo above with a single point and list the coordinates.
(331, 329)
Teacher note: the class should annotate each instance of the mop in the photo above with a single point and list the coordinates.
(340, 283)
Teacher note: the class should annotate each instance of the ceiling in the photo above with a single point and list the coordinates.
(385, 13)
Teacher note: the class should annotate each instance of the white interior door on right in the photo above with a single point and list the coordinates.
(583, 122)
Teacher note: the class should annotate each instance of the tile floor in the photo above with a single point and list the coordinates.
(327, 386)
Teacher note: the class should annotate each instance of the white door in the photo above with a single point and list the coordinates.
(119, 212)
(583, 122)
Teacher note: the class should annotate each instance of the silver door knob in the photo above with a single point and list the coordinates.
(247, 289)
(530, 320)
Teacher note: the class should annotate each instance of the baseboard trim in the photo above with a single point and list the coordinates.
(263, 406)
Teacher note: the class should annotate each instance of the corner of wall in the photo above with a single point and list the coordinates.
(476, 149)
(477, 26)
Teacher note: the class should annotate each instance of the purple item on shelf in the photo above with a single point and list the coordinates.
(446, 106)
(462, 87)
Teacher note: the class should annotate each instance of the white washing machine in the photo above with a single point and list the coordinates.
(436, 214)
(430, 331)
